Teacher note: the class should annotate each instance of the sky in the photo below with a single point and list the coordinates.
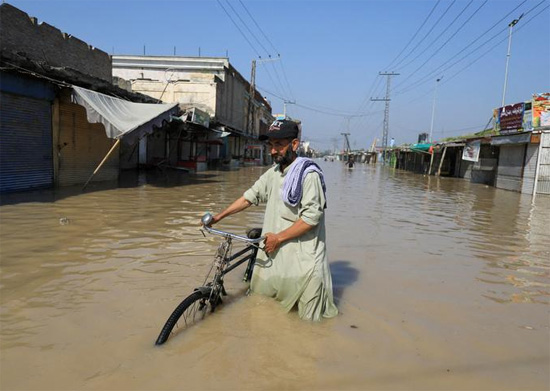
(324, 58)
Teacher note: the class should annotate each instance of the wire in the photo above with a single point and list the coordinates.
(286, 78)
(445, 43)
(440, 70)
(427, 34)
(322, 110)
(495, 46)
(258, 26)
(246, 26)
(440, 34)
(238, 28)
(415, 34)
(280, 92)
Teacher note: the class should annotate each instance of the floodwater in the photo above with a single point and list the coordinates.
(441, 284)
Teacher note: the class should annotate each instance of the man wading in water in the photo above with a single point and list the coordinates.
(294, 267)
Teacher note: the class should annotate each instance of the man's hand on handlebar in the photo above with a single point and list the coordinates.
(208, 220)
(271, 242)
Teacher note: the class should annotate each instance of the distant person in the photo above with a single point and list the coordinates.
(351, 162)
(294, 267)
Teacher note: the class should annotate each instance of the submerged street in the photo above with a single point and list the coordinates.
(441, 284)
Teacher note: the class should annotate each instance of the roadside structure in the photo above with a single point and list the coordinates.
(514, 155)
(226, 117)
(60, 115)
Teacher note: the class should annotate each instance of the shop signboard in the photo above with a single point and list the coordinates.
(511, 118)
(471, 151)
(541, 110)
(200, 117)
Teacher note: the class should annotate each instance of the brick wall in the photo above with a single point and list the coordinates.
(41, 42)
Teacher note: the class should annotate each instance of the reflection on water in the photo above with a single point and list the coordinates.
(87, 279)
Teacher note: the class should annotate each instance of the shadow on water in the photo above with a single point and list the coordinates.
(127, 179)
(343, 276)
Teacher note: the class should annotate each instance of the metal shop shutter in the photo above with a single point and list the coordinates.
(83, 146)
(510, 167)
(26, 157)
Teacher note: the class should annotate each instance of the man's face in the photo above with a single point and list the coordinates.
(281, 150)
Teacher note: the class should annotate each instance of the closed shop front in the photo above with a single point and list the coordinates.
(510, 167)
(25, 134)
(82, 146)
(511, 160)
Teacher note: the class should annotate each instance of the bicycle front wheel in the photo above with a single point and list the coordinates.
(191, 310)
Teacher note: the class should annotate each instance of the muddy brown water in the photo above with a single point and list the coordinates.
(441, 284)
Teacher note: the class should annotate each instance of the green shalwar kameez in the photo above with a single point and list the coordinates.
(298, 272)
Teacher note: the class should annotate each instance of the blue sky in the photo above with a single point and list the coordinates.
(332, 53)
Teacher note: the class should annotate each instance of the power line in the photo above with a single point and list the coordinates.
(446, 42)
(427, 34)
(277, 84)
(246, 26)
(286, 78)
(280, 92)
(259, 28)
(238, 28)
(415, 34)
(320, 109)
(496, 45)
(440, 69)
(440, 34)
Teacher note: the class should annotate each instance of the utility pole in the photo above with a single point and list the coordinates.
(433, 108)
(386, 112)
(287, 102)
(252, 93)
(347, 148)
(511, 25)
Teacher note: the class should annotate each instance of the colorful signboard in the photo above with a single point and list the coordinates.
(511, 118)
(524, 116)
(541, 110)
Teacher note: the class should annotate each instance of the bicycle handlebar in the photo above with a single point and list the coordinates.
(206, 220)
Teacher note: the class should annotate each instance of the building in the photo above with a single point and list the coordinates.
(49, 134)
(514, 155)
(232, 115)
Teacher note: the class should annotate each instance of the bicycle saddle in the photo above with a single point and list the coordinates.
(254, 233)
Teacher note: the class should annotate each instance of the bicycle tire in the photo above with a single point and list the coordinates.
(193, 309)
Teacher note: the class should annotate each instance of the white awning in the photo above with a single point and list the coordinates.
(122, 119)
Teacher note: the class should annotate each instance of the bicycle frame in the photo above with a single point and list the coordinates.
(248, 253)
(195, 306)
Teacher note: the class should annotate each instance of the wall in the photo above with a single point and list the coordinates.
(543, 185)
(42, 42)
(82, 146)
(531, 157)
(209, 83)
(232, 102)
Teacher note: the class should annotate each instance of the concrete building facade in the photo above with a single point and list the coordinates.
(212, 85)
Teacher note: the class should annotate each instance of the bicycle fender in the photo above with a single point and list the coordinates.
(204, 290)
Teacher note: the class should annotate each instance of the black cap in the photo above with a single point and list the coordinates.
(281, 129)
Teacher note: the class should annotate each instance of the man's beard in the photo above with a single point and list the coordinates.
(283, 160)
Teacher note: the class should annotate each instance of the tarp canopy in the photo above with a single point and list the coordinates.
(421, 147)
(122, 119)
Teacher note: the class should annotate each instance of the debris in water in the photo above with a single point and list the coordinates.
(63, 221)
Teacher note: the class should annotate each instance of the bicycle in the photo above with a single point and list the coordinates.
(207, 297)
